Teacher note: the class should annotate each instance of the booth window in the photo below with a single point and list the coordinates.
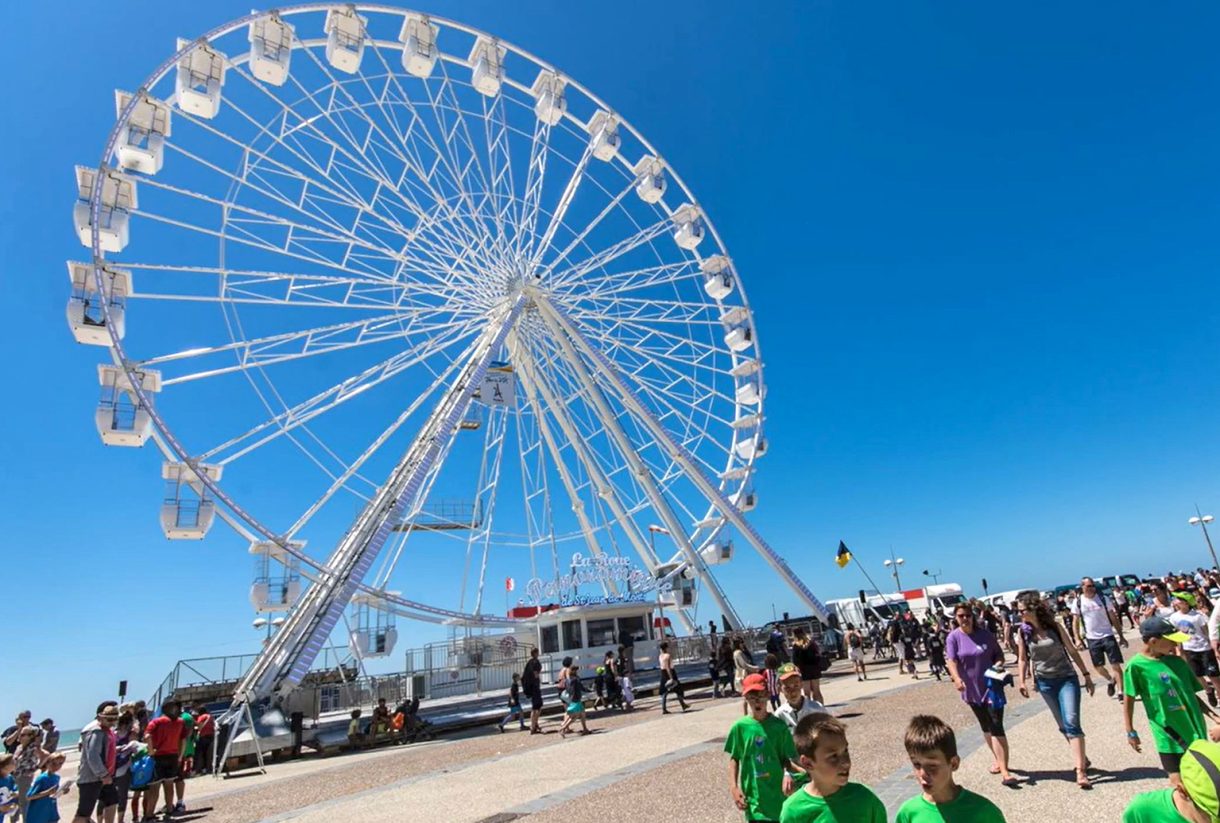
(601, 633)
(571, 635)
(550, 639)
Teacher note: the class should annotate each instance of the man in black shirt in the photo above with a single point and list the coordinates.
(531, 684)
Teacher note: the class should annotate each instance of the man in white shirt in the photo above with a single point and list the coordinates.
(1197, 649)
(1096, 628)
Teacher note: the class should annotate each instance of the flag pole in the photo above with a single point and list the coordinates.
(869, 578)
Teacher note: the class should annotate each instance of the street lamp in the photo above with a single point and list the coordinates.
(1201, 520)
(934, 575)
(893, 563)
(652, 540)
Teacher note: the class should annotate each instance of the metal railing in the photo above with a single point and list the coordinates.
(217, 671)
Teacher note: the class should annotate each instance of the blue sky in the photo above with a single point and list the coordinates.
(979, 246)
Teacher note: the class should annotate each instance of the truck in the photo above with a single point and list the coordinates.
(941, 598)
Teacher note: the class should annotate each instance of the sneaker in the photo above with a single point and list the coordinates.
(1110, 688)
(1120, 697)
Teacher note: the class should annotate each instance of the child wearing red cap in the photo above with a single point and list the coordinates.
(761, 752)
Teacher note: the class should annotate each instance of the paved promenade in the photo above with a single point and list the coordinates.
(645, 765)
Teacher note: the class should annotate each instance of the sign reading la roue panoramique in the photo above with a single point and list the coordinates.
(638, 584)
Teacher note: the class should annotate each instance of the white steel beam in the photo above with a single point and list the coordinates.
(655, 495)
(679, 454)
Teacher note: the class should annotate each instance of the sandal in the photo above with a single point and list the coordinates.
(1011, 782)
(994, 770)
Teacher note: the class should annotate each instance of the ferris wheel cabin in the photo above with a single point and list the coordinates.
(270, 49)
(550, 102)
(374, 633)
(605, 139)
(487, 66)
(277, 577)
(650, 177)
(200, 76)
(141, 143)
(117, 202)
(717, 276)
(688, 227)
(345, 39)
(85, 317)
(188, 509)
(122, 419)
(418, 38)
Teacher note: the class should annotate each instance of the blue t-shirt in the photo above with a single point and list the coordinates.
(45, 809)
(8, 793)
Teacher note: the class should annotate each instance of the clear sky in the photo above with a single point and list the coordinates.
(980, 247)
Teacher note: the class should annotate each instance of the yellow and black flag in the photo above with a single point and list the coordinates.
(843, 557)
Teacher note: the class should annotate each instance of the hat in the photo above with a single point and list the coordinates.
(788, 670)
(1201, 776)
(753, 683)
(1187, 597)
(1160, 627)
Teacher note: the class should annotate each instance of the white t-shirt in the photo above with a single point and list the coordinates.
(1213, 625)
(792, 716)
(1094, 613)
(1195, 625)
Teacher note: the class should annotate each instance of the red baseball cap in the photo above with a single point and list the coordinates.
(753, 683)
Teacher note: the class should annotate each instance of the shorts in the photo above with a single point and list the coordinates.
(536, 701)
(1103, 648)
(1170, 762)
(122, 784)
(1203, 664)
(991, 719)
(575, 707)
(165, 767)
(855, 654)
(92, 796)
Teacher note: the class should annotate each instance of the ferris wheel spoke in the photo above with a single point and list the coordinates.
(539, 248)
(294, 122)
(327, 177)
(527, 217)
(464, 234)
(611, 253)
(579, 237)
(334, 396)
(609, 286)
(341, 481)
(538, 392)
(279, 348)
(283, 288)
(444, 159)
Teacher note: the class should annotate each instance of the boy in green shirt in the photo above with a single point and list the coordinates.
(1195, 800)
(760, 748)
(1168, 689)
(828, 797)
(932, 747)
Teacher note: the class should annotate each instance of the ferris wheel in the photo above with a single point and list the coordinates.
(382, 288)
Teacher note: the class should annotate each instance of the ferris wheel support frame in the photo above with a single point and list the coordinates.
(517, 355)
(532, 381)
(555, 317)
(287, 658)
(642, 474)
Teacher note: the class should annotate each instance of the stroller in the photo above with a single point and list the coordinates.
(410, 725)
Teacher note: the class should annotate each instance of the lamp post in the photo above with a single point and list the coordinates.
(892, 564)
(934, 575)
(1201, 520)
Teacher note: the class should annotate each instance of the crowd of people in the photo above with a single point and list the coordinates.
(793, 765)
(127, 755)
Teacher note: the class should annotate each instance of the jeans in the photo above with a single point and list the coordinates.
(1062, 695)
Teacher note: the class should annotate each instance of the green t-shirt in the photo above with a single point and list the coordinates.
(188, 724)
(854, 803)
(1153, 807)
(1167, 686)
(967, 807)
(760, 749)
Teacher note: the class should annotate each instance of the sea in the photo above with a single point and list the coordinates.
(69, 738)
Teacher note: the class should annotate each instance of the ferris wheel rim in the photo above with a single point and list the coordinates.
(166, 440)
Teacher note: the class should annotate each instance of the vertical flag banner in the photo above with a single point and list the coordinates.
(843, 557)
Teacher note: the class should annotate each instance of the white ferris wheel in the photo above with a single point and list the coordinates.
(386, 291)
